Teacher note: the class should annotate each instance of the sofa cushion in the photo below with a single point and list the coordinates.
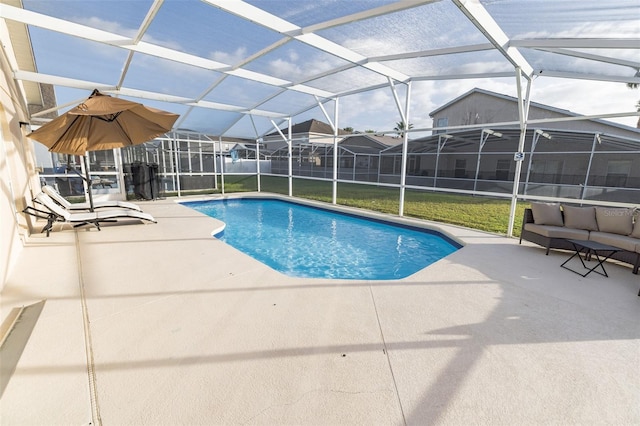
(636, 229)
(621, 241)
(546, 214)
(580, 218)
(615, 220)
(557, 231)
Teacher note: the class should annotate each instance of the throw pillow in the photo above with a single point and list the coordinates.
(580, 218)
(615, 220)
(546, 214)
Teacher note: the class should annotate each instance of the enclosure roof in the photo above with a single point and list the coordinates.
(239, 68)
(506, 138)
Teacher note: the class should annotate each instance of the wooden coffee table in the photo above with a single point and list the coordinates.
(591, 248)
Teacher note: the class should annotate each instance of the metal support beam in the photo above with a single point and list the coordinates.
(289, 143)
(405, 145)
(215, 165)
(442, 141)
(176, 155)
(480, 17)
(221, 165)
(536, 136)
(484, 135)
(334, 197)
(596, 140)
(324, 112)
(394, 92)
(523, 113)
(258, 141)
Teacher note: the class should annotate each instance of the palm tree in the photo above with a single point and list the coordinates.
(635, 86)
(400, 128)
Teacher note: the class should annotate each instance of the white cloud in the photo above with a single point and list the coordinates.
(292, 66)
(110, 26)
(285, 69)
(623, 29)
(588, 97)
(229, 58)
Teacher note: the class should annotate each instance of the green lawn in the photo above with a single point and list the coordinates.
(483, 213)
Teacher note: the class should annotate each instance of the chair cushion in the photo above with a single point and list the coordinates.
(615, 220)
(621, 241)
(557, 231)
(546, 214)
(580, 218)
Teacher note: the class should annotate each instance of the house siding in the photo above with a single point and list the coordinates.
(482, 107)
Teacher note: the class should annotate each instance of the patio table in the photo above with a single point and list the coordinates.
(591, 247)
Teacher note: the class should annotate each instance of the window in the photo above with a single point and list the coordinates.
(441, 122)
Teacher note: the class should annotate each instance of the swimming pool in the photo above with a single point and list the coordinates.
(305, 241)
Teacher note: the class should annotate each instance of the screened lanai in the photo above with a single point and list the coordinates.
(162, 324)
(242, 69)
(559, 164)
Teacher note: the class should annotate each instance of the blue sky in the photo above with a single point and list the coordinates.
(197, 28)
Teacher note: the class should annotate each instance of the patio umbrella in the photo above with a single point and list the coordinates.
(102, 122)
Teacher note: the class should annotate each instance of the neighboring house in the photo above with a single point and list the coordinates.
(310, 131)
(243, 150)
(580, 159)
(479, 106)
(358, 154)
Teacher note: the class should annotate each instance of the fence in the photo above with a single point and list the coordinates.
(578, 167)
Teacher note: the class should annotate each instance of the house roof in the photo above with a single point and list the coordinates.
(382, 141)
(310, 126)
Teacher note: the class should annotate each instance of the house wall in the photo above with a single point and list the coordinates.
(17, 171)
(481, 108)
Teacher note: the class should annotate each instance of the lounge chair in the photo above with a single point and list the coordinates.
(51, 192)
(53, 213)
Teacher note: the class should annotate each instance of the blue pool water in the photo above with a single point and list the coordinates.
(304, 241)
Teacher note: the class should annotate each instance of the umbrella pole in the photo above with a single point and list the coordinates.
(86, 171)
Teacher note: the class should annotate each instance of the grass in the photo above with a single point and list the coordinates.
(478, 212)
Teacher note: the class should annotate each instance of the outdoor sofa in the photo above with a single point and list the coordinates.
(551, 225)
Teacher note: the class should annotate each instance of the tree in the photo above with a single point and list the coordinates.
(635, 86)
(348, 129)
(400, 128)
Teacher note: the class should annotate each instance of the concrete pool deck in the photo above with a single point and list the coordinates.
(160, 324)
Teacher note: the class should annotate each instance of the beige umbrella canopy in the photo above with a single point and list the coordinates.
(103, 122)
